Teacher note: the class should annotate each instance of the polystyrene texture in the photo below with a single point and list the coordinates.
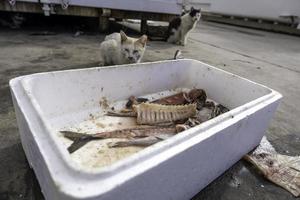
(176, 168)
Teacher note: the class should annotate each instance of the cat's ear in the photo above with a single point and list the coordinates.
(143, 40)
(123, 36)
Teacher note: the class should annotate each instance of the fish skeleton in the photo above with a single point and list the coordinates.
(150, 114)
(80, 139)
(147, 141)
(154, 114)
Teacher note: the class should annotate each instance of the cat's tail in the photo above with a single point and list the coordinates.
(177, 55)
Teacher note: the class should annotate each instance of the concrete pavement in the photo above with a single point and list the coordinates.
(268, 58)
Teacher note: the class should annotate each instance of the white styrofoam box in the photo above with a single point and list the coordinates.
(176, 168)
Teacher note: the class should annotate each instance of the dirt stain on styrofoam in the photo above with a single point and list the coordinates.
(104, 103)
(97, 154)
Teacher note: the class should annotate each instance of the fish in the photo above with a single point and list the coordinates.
(155, 114)
(147, 141)
(197, 96)
(143, 142)
(193, 96)
(280, 169)
(181, 98)
(80, 139)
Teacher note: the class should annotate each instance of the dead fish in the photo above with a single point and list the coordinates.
(80, 139)
(197, 96)
(147, 141)
(155, 114)
(181, 98)
(176, 99)
(282, 170)
(151, 114)
(143, 142)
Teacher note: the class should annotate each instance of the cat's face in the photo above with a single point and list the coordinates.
(195, 14)
(132, 49)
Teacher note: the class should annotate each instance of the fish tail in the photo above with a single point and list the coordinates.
(78, 143)
(79, 139)
(74, 135)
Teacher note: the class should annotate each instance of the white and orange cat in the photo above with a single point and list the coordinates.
(118, 49)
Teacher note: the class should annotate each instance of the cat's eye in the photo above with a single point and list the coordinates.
(135, 51)
(127, 50)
